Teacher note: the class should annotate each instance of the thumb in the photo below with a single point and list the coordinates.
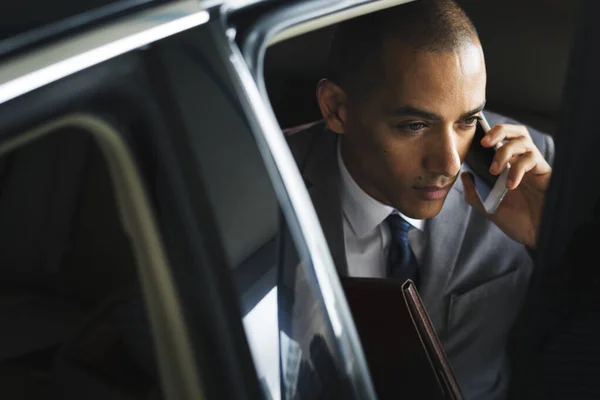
(471, 196)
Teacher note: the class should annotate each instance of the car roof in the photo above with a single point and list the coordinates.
(21, 28)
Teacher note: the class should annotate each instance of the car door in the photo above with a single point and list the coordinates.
(172, 327)
(206, 192)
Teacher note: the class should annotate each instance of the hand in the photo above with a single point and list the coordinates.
(520, 213)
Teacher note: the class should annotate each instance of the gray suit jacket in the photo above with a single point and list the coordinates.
(474, 277)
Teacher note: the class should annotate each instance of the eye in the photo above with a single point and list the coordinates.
(416, 126)
(471, 121)
(412, 128)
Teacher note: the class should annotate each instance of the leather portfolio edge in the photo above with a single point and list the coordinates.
(429, 337)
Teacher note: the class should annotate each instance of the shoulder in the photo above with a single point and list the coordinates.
(301, 139)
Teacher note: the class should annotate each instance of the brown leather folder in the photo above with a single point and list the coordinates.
(402, 349)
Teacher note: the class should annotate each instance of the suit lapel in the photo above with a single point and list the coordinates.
(444, 233)
(322, 177)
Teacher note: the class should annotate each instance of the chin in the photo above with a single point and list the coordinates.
(424, 210)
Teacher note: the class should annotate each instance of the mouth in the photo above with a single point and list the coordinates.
(433, 192)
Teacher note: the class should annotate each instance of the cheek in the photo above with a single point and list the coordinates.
(403, 159)
(384, 153)
(370, 137)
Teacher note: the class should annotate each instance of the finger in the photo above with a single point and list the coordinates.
(471, 196)
(509, 151)
(519, 168)
(501, 132)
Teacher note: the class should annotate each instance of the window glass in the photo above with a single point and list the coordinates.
(67, 277)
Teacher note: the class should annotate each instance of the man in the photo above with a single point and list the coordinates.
(400, 105)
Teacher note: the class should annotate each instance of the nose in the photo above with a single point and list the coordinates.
(442, 156)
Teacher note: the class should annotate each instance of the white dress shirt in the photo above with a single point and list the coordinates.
(366, 234)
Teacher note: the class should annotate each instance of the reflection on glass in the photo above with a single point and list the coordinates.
(261, 329)
(289, 332)
(311, 360)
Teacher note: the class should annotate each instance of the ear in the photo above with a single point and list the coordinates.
(333, 104)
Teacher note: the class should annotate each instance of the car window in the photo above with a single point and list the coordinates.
(68, 274)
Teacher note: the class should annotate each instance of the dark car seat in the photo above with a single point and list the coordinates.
(64, 262)
(37, 200)
(526, 64)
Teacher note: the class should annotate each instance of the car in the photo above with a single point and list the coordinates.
(149, 204)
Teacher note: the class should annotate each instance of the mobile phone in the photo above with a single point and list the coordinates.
(490, 188)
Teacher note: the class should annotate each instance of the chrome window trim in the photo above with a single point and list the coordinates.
(58, 60)
(67, 23)
(297, 20)
(178, 369)
(331, 19)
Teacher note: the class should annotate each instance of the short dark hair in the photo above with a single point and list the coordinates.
(425, 25)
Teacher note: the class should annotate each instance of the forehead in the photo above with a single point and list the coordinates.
(447, 80)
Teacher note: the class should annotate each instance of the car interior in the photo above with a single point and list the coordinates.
(68, 268)
(527, 67)
(526, 63)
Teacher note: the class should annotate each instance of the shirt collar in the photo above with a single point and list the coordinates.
(364, 213)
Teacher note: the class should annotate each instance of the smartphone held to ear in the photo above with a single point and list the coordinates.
(490, 188)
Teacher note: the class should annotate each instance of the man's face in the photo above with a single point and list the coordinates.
(405, 140)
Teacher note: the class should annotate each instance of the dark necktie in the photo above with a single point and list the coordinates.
(402, 263)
